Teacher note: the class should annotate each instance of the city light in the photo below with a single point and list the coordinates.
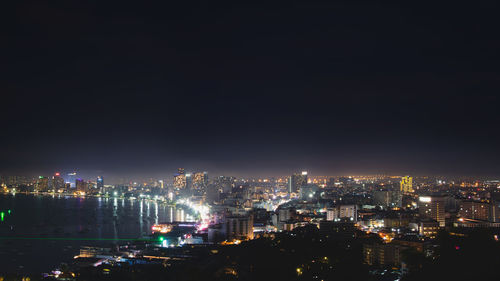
(425, 199)
(186, 140)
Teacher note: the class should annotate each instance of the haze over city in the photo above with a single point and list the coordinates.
(203, 140)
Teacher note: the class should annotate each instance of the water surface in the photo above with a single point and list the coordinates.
(42, 218)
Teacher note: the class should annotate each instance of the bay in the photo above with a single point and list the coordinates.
(41, 231)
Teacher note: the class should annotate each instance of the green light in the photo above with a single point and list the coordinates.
(161, 238)
(2, 214)
(8, 212)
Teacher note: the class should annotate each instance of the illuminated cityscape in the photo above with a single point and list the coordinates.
(377, 216)
(204, 140)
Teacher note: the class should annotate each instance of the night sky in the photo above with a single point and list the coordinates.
(117, 88)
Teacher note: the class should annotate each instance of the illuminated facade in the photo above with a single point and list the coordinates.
(342, 212)
(180, 179)
(200, 180)
(432, 207)
(428, 228)
(407, 184)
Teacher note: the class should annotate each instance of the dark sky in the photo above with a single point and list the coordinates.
(256, 89)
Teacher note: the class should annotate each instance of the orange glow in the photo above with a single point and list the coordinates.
(162, 228)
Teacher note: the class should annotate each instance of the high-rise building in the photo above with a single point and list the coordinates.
(349, 212)
(406, 184)
(200, 180)
(81, 185)
(180, 179)
(100, 184)
(475, 210)
(239, 227)
(296, 181)
(42, 184)
(57, 182)
(382, 254)
(332, 214)
(432, 207)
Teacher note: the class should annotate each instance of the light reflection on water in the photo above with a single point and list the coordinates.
(70, 217)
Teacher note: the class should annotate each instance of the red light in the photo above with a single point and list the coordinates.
(57, 174)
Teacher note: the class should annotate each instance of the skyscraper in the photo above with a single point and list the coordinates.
(200, 180)
(406, 184)
(180, 179)
(100, 184)
(296, 181)
(42, 184)
(57, 182)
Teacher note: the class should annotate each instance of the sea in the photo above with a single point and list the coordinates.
(39, 232)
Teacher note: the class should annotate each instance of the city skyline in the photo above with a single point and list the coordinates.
(203, 140)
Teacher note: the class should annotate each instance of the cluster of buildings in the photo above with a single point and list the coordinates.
(404, 212)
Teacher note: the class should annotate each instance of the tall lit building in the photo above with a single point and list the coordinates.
(432, 207)
(100, 184)
(200, 180)
(180, 179)
(406, 184)
(42, 184)
(296, 181)
(57, 182)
